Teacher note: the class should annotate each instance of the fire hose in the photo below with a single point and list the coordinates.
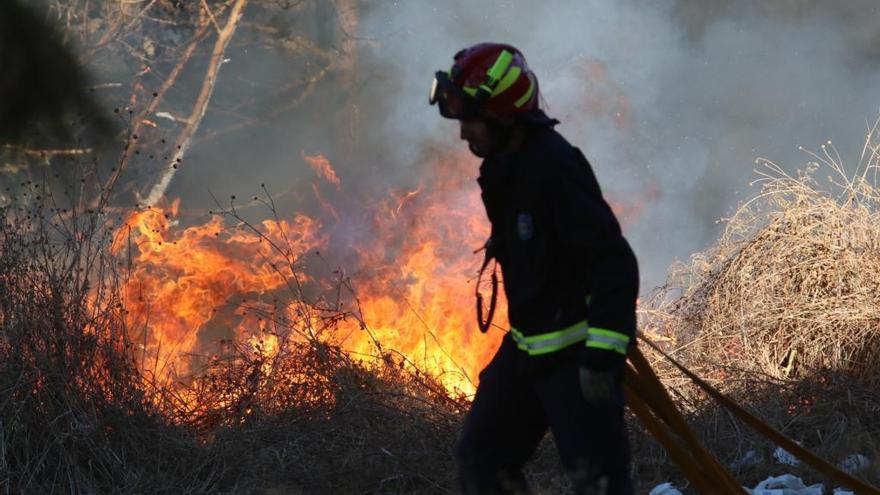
(650, 402)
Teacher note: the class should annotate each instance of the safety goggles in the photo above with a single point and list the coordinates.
(452, 101)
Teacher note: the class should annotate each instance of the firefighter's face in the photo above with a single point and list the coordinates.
(483, 139)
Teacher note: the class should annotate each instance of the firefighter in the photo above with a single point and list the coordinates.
(571, 282)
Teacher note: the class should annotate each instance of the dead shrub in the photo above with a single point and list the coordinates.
(782, 313)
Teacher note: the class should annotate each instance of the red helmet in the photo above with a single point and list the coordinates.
(486, 80)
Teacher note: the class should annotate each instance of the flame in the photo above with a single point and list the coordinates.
(324, 203)
(183, 284)
(322, 167)
(417, 297)
(193, 288)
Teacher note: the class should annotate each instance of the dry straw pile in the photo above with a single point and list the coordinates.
(783, 313)
(793, 286)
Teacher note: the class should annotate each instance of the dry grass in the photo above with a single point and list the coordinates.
(783, 314)
(77, 415)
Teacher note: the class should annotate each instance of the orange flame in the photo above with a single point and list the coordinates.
(414, 279)
(322, 167)
(417, 295)
(181, 292)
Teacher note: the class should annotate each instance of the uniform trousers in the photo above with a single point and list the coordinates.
(518, 399)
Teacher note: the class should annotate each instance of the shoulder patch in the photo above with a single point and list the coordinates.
(525, 227)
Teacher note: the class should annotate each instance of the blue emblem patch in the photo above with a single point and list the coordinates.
(525, 228)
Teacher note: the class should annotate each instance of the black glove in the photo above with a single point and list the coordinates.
(598, 387)
(600, 359)
(600, 374)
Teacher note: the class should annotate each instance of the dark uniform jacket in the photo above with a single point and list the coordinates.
(559, 245)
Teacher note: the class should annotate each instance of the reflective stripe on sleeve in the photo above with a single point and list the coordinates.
(602, 338)
(552, 341)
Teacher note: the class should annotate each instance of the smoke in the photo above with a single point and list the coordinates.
(671, 101)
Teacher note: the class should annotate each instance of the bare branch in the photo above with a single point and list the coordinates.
(201, 106)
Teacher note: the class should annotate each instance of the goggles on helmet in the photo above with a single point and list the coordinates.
(452, 101)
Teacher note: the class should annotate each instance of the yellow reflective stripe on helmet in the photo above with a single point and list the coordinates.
(552, 341)
(601, 338)
(496, 72)
(502, 63)
(507, 81)
(527, 96)
(470, 90)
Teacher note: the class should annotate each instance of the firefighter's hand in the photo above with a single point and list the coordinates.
(598, 386)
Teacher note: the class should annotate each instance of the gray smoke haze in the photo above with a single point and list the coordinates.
(670, 100)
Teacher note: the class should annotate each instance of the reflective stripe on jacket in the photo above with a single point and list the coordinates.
(597, 338)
